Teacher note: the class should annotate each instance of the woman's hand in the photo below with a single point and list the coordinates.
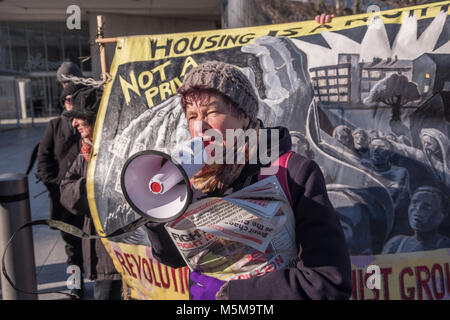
(324, 18)
(204, 287)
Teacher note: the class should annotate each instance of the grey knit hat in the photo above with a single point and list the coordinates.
(226, 79)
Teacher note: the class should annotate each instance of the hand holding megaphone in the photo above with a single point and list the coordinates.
(156, 185)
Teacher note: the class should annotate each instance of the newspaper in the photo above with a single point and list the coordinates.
(244, 234)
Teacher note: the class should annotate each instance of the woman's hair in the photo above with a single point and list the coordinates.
(436, 192)
(342, 129)
(357, 130)
(383, 139)
(88, 121)
(204, 95)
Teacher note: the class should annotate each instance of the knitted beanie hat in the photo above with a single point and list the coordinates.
(226, 79)
(85, 104)
(68, 90)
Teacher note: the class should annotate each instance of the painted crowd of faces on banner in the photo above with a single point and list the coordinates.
(366, 97)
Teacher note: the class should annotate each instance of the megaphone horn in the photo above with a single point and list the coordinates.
(156, 185)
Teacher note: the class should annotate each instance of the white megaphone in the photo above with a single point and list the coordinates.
(156, 185)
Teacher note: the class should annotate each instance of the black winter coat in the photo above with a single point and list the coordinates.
(74, 198)
(57, 150)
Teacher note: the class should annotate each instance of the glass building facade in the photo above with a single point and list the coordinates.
(34, 51)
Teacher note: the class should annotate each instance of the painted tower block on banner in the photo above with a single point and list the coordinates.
(431, 73)
(332, 84)
(355, 75)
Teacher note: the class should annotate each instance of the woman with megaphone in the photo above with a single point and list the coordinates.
(218, 96)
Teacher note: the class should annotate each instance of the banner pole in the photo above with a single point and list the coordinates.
(101, 46)
(106, 40)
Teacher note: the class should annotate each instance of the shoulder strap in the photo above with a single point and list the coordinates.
(33, 157)
(281, 174)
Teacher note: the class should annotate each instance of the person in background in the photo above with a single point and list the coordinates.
(426, 211)
(57, 150)
(394, 178)
(361, 141)
(99, 265)
(434, 155)
(343, 134)
(301, 145)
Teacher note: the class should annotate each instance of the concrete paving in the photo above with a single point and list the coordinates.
(16, 145)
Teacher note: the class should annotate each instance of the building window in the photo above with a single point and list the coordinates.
(365, 74)
(375, 74)
(43, 46)
(37, 51)
(343, 71)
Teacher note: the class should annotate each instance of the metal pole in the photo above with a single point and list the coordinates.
(106, 40)
(15, 212)
(239, 13)
(16, 101)
(30, 100)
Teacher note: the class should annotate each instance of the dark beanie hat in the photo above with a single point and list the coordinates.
(85, 104)
(226, 79)
(68, 69)
(68, 90)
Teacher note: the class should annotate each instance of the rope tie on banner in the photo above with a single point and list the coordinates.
(90, 82)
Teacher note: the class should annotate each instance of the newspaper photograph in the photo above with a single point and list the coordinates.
(244, 234)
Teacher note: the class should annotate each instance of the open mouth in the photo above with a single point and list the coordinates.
(417, 219)
(206, 143)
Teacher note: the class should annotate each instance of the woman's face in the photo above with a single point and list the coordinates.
(424, 212)
(67, 102)
(86, 130)
(361, 139)
(380, 152)
(300, 146)
(345, 137)
(430, 144)
(212, 112)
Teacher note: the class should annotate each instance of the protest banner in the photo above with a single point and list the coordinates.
(365, 96)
